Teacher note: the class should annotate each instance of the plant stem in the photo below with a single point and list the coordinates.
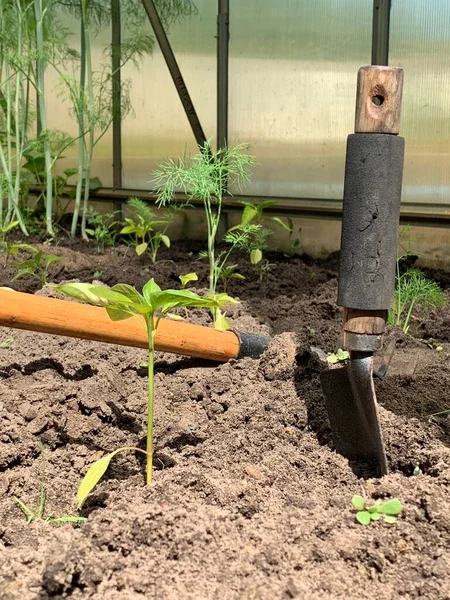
(39, 15)
(80, 111)
(151, 361)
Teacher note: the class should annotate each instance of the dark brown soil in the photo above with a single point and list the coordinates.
(249, 501)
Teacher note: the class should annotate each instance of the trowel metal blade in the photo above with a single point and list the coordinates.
(352, 409)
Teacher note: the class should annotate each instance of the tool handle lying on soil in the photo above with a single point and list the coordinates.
(73, 319)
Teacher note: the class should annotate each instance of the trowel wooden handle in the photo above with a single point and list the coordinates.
(368, 322)
(378, 100)
(72, 319)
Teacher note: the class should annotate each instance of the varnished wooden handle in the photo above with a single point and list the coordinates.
(61, 317)
(378, 100)
(369, 322)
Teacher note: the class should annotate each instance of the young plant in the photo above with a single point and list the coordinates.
(146, 229)
(101, 228)
(123, 302)
(341, 356)
(36, 267)
(39, 514)
(293, 243)
(7, 343)
(389, 510)
(185, 279)
(254, 213)
(11, 249)
(209, 176)
(414, 291)
(227, 273)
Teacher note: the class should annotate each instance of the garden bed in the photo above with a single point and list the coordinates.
(249, 500)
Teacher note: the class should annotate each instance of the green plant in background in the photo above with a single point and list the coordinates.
(91, 92)
(122, 302)
(36, 267)
(146, 229)
(209, 176)
(389, 510)
(185, 279)
(17, 63)
(102, 228)
(39, 514)
(227, 273)
(36, 169)
(11, 249)
(414, 292)
(293, 242)
(257, 242)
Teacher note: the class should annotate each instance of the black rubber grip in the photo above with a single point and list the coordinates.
(372, 194)
(251, 344)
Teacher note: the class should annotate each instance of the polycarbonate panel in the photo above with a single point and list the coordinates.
(59, 107)
(293, 70)
(159, 127)
(420, 43)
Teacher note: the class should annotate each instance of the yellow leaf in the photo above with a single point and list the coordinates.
(94, 474)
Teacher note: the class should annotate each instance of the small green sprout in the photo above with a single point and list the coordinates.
(340, 356)
(389, 510)
(185, 279)
(39, 514)
(7, 343)
(121, 302)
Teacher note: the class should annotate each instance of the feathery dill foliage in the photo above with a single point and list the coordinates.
(208, 176)
(415, 292)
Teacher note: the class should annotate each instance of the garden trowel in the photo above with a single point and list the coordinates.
(372, 193)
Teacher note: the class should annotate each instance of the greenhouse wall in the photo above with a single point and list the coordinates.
(292, 82)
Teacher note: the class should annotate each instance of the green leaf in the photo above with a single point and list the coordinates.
(129, 291)
(128, 229)
(95, 184)
(281, 223)
(80, 291)
(29, 513)
(358, 502)
(390, 520)
(222, 299)
(363, 517)
(221, 323)
(60, 520)
(165, 240)
(255, 256)
(94, 474)
(149, 289)
(70, 172)
(7, 343)
(375, 516)
(170, 316)
(391, 507)
(185, 279)
(141, 248)
(118, 314)
(9, 227)
(248, 214)
(108, 295)
(52, 258)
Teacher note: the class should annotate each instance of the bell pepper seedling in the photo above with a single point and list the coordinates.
(121, 302)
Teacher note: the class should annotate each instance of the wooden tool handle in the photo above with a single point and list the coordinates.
(61, 317)
(378, 100)
(367, 322)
